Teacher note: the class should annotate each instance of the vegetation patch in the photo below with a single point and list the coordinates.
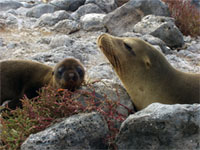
(51, 104)
(186, 15)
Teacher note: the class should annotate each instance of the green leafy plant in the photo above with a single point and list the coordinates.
(51, 104)
(187, 16)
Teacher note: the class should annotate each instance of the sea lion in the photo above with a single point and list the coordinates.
(146, 74)
(19, 77)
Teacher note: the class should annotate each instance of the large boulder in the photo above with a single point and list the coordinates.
(51, 19)
(125, 17)
(160, 127)
(68, 5)
(161, 27)
(66, 26)
(92, 21)
(86, 9)
(105, 5)
(41, 9)
(83, 131)
(10, 4)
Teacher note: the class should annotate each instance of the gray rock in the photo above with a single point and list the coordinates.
(51, 19)
(9, 4)
(161, 27)
(93, 21)
(66, 26)
(162, 127)
(61, 40)
(180, 61)
(105, 5)
(83, 131)
(68, 5)
(125, 17)
(22, 11)
(86, 9)
(1, 41)
(41, 9)
(63, 46)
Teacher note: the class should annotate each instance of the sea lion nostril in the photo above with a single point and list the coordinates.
(71, 75)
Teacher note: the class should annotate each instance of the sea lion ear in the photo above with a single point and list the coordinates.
(147, 63)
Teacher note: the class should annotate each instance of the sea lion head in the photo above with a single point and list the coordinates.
(69, 74)
(128, 54)
(139, 65)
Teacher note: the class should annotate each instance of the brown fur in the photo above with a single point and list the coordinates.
(19, 77)
(146, 74)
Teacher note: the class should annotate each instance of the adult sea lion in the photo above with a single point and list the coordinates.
(146, 74)
(19, 77)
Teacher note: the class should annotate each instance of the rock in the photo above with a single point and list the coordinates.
(92, 21)
(115, 92)
(66, 26)
(86, 9)
(160, 126)
(61, 40)
(105, 5)
(83, 131)
(41, 9)
(64, 46)
(1, 42)
(8, 19)
(22, 11)
(161, 27)
(123, 19)
(182, 63)
(51, 19)
(9, 4)
(68, 5)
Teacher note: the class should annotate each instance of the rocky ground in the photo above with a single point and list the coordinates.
(44, 32)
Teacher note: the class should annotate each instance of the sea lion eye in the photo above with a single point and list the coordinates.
(129, 48)
(80, 71)
(60, 71)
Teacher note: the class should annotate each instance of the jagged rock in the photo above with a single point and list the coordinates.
(66, 26)
(10, 4)
(161, 27)
(105, 5)
(51, 19)
(92, 21)
(61, 40)
(160, 126)
(86, 9)
(125, 17)
(22, 11)
(8, 19)
(68, 5)
(41, 9)
(83, 131)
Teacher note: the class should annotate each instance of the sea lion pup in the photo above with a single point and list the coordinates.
(146, 74)
(19, 77)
